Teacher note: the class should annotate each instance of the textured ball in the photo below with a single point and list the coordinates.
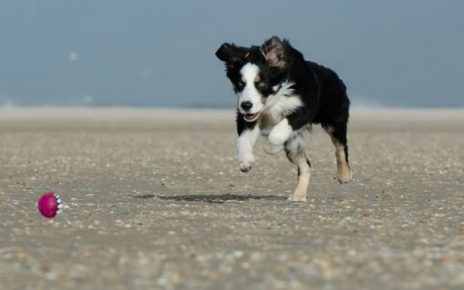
(49, 204)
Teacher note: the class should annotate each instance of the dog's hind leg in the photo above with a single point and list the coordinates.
(295, 148)
(338, 135)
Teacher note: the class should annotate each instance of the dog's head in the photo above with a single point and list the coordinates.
(255, 73)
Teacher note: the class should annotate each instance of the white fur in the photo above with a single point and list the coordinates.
(249, 73)
(280, 132)
(245, 143)
(282, 103)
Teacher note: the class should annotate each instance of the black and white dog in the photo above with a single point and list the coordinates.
(280, 95)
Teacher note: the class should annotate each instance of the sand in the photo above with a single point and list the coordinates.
(154, 200)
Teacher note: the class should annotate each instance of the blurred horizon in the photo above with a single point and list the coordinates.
(150, 54)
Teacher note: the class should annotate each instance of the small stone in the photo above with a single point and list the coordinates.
(238, 254)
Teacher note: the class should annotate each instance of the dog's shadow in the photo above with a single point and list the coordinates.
(211, 198)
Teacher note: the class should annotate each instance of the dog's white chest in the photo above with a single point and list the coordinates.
(277, 106)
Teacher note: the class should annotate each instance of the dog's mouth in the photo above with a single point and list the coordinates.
(249, 117)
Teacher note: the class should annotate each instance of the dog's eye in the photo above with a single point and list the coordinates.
(262, 85)
(241, 84)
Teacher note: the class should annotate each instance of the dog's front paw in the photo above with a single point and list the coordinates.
(246, 163)
(271, 148)
(298, 198)
(280, 133)
(276, 138)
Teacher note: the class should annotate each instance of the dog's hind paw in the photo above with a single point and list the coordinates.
(344, 174)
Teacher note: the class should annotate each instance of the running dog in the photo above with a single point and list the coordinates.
(280, 95)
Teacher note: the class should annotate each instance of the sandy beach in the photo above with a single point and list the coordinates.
(154, 199)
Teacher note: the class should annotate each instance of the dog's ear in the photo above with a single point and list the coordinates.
(274, 51)
(225, 52)
(231, 54)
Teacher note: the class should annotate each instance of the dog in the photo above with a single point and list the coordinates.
(280, 96)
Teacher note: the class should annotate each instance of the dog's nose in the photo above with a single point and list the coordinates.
(246, 105)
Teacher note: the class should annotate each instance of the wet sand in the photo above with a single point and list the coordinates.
(154, 200)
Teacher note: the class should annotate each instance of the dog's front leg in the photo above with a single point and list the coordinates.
(280, 133)
(248, 134)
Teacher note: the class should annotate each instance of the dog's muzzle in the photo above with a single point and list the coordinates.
(249, 117)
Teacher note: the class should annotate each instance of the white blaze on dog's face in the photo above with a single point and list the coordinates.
(248, 88)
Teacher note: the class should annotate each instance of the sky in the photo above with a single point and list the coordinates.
(161, 53)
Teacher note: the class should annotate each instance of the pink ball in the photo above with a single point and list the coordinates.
(49, 204)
